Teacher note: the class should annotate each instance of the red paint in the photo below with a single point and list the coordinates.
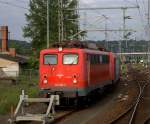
(86, 74)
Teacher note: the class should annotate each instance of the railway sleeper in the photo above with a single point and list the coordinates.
(20, 115)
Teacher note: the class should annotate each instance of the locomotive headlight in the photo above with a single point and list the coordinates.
(75, 81)
(45, 81)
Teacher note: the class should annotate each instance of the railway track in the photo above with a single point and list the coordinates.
(143, 83)
(141, 91)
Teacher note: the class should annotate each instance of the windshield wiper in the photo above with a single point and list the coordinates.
(49, 63)
(74, 60)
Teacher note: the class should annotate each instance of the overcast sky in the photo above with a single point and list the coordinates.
(14, 17)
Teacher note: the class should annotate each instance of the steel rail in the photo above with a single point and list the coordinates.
(135, 104)
(138, 101)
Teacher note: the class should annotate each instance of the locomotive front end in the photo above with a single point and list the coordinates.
(60, 72)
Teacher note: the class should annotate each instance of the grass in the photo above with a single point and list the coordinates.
(124, 70)
(9, 93)
(138, 66)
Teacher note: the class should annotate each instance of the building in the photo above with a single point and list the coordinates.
(10, 61)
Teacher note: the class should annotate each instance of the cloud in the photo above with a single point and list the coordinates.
(88, 1)
(13, 17)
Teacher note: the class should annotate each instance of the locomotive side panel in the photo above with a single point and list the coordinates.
(97, 70)
(114, 67)
(99, 74)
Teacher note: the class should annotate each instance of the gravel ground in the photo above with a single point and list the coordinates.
(143, 111)
(4, 119)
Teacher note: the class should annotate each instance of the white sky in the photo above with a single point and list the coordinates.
(14, 17)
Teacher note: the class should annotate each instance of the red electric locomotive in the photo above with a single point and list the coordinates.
(76, 72)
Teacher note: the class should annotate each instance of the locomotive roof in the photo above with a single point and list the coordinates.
(73, 50)
(79, 44)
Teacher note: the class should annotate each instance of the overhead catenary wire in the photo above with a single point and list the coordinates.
(96, 11)
(141, 16)
(130, 2)
(104, 8)
(21, 7)
(140, 13)
(135, 4)
(114, 24)
(23, 1)
(14, 5)
(144, 6)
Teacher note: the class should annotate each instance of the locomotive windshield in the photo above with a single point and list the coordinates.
(70, 59)
(50, 59)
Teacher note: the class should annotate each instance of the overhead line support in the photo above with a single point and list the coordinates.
(103, 8)
(48, 24)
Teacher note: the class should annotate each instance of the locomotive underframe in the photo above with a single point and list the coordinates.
(75, 92)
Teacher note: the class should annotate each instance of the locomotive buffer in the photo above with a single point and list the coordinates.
(20, 115)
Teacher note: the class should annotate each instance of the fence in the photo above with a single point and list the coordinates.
(30, 76)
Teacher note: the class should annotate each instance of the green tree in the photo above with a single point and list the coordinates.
(35, 28)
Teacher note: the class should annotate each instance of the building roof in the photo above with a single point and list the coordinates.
(4, 63)
(19, 59)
